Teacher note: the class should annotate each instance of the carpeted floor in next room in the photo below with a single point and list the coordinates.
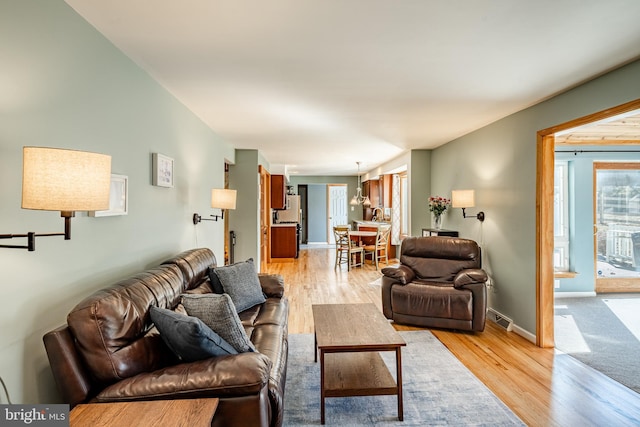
(602, 332)
(438, 390)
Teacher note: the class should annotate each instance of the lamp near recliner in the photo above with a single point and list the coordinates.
(55, 179)
(465, 199)
(221, 198)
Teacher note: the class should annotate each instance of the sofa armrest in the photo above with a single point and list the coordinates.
(244, 374)
(403, 274)
(469, 276)
(272, 285)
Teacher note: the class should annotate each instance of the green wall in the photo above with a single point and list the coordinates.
(317, 220)
(499, 162)
(64, 85)
(419, 176)
(245, 220)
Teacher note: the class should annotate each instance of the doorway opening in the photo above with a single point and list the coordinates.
(546, 143)
(337, 213)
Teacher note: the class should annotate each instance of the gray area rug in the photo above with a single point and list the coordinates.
(602, 332)
(438, 391)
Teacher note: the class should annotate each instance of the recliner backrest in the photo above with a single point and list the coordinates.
(194, 265)
(439, 258)
(113, 329)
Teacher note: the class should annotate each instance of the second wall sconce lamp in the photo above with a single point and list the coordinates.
(465, 199)
(55, 179)
(221, 198)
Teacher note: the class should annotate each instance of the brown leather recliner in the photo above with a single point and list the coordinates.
(439, 283)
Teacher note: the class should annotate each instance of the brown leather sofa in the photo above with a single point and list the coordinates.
(439, 283)
(110, 351)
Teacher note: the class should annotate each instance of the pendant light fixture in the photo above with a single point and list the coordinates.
(358, 199)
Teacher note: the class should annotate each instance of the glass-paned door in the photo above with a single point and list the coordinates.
(617, 224)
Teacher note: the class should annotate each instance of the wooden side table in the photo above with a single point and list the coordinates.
(442, 232)
(152, 413)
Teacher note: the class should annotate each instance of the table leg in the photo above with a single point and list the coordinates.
(321, 386)
(399, 381)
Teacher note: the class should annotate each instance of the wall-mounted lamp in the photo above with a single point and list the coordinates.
(465, 199)
(222, 199)
(55, 179)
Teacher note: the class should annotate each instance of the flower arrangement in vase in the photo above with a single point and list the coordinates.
(438, 205)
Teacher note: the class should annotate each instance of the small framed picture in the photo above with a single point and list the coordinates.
(118, 197)
(162, 170)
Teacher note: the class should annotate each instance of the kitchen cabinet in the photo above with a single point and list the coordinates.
(371, 189)
(387, 183)
(374, 192)
(284, 241)
(278, 192)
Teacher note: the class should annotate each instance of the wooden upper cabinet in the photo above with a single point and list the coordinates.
(374, 193)
(387, 183)
(278, 192)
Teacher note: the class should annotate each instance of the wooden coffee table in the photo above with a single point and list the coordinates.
(348, 338)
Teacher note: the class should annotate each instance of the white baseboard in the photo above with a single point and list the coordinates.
(524, 333)
(559, 295)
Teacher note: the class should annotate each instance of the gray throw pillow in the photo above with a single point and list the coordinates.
(241, 282)
(218, 312)
(188, 337)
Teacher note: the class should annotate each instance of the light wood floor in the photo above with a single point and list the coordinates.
(542, 386)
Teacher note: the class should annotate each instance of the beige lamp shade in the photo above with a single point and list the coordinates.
(463, 199)
(55, 179)
(223, 198)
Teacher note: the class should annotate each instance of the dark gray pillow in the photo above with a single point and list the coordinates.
(241, 282)
(218, 313)
(215, 282)
(188, 337)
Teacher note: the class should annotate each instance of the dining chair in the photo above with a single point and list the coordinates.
(378, 250)
(346, 249)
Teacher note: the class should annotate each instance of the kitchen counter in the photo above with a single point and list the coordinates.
(370, 223)
(285, 225)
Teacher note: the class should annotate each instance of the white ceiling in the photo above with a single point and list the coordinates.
(317, 85)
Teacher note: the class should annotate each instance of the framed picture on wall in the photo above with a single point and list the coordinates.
(118, 197)
(162, 170)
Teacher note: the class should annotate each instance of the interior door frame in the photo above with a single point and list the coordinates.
(265, 217)
(545, 162)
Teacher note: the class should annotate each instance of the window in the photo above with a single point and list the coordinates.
(617, 218)
(561, 217)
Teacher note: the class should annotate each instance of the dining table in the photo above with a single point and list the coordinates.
(360, 234)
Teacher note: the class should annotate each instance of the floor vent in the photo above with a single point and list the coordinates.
(500, 319)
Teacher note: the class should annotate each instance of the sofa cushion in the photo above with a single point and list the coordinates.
(214, 281)
(218, 313)
(241, 282)
(188, 337)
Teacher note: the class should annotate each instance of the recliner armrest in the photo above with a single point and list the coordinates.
(469, 276)
(402, 274)
(272, 285)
